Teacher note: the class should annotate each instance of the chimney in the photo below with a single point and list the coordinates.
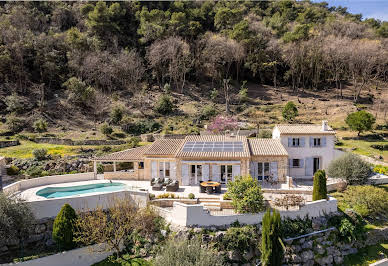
(325, 125)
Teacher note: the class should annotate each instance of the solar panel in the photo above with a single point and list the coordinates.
(217, 146)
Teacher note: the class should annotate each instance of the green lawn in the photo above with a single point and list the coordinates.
(124, 261)
(363, 147)
(367, 255)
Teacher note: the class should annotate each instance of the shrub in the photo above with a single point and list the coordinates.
(381, 169)
(164, 106)
(239, 238)
(35, 171)
(290, 111)
(191, 196)
(100, 168)
(140, 127)
(246, 195)
(381, 147)
(79, 92)
(106, 129)
(350, 228)
(63, 227)
(13, 170)
(296, 227)
(186, 252)
(319, 186)
(266, 134)
(360, 121)
(271, 246)
(368, 201)
(39, 154)
(208, 111)
(40, 126)
(220, 124)
(14, 103)
(351, 168)
(16, 219)
(15, 124)
(116, 114)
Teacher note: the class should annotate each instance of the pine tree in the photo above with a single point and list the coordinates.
(319, 187)
(63, 228)
(271, 245)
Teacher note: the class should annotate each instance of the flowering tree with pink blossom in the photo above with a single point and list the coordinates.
(220, 124)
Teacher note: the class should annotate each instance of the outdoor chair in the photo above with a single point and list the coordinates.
(172, 186)
(209, 190)
(202, 189)
(218, 189)
(157, 187)
(166, 181)
(156, 180)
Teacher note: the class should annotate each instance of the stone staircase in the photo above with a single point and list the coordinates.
(211, 204)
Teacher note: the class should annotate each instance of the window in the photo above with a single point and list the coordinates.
(295, 163)
(263, 170)
(167, 169)
(317, 142)
(226, 173)
(295, 142)
(164, 169)
(141, 165)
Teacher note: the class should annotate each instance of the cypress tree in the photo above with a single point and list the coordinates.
(63, 228)
(319, 187)
(271, 245)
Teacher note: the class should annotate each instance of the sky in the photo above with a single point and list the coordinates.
(377, 9)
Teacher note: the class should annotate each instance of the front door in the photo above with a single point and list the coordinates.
(315, 164)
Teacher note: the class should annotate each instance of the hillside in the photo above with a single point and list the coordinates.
(73, 66)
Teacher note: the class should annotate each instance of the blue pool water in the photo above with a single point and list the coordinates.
(59, 192)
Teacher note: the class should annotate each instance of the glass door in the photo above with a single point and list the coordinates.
(195, 174)
(263, 171)
(226, 173)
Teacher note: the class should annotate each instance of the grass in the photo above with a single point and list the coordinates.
(125, 260)
(363, 147)
(367, 255)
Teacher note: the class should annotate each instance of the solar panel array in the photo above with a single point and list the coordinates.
(214, 146)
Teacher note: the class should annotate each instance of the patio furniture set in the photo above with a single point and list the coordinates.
(171, 185)
(210, 187)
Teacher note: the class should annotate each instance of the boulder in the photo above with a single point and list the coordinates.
(307, 245)
(40, 228)
(328, 260)
(234, 255)
(249, 255)
(319, 249)
(338, 259)
(307, 255)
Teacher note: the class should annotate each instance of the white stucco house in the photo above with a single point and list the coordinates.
(294, 150)
(309, 147)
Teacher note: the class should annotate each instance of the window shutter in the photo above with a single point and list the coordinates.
(301, 163)
(289, 142)
(205, 172)
(235, 171)
(154, 170)
(185, 175)
(216, 172)
(309, 166)
(252, 169)
(173, 170)
(274, 170)
(290, 163)
(323, 140)
(311, 141)
(301, 142)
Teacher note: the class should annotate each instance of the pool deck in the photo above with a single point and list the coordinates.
(183, 191)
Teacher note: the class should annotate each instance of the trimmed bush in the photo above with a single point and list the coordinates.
(246, 195)
(191, 196)
(351, 168)
(106, 129)
(63, 228)
(265, 134)
(40, 126)
(271, 246)
(164, 106)
(13, 170)
(319, 186)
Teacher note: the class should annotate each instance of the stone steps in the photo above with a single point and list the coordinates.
(216, 206)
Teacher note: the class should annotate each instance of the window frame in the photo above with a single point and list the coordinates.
(295, 142)
(296, 165)
(317, 142)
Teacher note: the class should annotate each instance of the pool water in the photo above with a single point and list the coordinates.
(60, 192)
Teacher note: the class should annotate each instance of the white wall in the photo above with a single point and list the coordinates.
(194, 215)
(46, 180)
(50, 207)
(85, 256)
(326, 153)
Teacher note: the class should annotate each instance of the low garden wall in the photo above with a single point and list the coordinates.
(85, 256)
(50, 207)
(195, 215)
(71, 142)
(8, 143)
(46, 180)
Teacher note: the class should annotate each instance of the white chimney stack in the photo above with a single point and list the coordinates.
(325, 125)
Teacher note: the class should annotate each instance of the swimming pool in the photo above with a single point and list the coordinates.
(60, 192)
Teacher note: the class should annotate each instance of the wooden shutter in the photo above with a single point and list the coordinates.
(323, 141)
(301, 163)
(252, 169)
(301, 142)
(311, 141)
(154, 169)
(289, 142)
(274, 169)
(290, 163)
(185, 175)
(205, 172)
(173, 170)
(309, 166)
(235, 170)
(216, 170)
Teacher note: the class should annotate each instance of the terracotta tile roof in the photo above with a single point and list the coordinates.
(130, 154)
(267, 147)
(241, 140)
(304, 129)
(165, 147)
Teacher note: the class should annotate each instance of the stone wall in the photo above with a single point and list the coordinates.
(71, 142)
(8, 143)
(40, 236)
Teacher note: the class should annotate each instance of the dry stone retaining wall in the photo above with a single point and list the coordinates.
(9, 143)
(71, 142)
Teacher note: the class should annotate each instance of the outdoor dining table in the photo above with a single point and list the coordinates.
(212, 184)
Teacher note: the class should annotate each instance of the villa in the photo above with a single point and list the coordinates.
(294, 150)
